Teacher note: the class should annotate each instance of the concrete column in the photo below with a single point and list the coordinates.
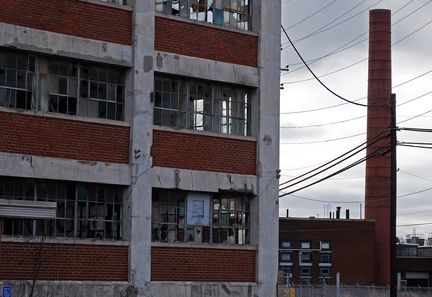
(378, 169)
(141, 118)
(267, 20)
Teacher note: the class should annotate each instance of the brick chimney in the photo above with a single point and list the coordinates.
(378, 169)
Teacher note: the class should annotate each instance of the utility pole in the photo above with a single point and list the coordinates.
(393, 202)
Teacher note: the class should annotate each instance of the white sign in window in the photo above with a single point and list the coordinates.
(198, 206)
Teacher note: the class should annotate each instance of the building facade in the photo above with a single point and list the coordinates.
(153, 126)
(312, 251)
(414, 263)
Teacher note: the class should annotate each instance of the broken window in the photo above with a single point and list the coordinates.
(199, 105)
(67, 87)
(17, 80)
(83, 210)
(63, 87)
(101, 93)
(229, 13)
(179, 216)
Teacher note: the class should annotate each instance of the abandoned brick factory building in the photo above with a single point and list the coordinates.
(139, 146)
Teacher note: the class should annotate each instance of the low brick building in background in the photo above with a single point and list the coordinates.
(140, 146)
(313, 250)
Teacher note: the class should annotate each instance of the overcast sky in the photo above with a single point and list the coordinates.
(337, 23)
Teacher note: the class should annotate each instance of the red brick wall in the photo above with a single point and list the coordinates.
(352, 247)
(64, 262)
(71, 17)
(44, 136)
(184, 38)
(202, 152)
(195, 264)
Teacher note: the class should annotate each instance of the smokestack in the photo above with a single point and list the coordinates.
(378, 168)
(338, 209)
(287, 213)
(347, 214)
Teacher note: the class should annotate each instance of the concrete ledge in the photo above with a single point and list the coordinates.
(69, 288)
(196, 289)
(197, 132)
(206, 69)
(61, 169)
(205, 246)
(65, 117)
(206, 181)
(113, 5)
(52, 240)
(64, 45)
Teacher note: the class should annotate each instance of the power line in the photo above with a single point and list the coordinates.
(356, 118)
(311, 15)
(410, 225)
(329, 23)
(414, 212)
(342, 48)
(335, 51)
(344, 157)
(416, 116)
(325, 201)
(381, 151)
(412, 174)
(415, 193)
(355, 63)
(342, 104)
(417, 9)
(310, 70)
(320, 125)
(323, 141)
(337, 24)
(422, 130)
(416, 146)
(326, 74)
(397, 11)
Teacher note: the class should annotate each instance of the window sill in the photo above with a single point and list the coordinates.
(63, 240)
(64, 117)
(203, 133)
(113, 5)
(324, 264)
(204, 246)
(202, 23)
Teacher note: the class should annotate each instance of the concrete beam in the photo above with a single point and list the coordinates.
(51, 43)
(62, 169)
(206, 69)
(193, 180)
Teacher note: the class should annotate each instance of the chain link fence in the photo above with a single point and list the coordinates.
(349, 291)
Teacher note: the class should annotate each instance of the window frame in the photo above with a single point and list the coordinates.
(229, 14)
(12, 88)
(216, 232)
(65, 194)
(306, 244)
(202, 111)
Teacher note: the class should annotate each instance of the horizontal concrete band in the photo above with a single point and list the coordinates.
(51, 43)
